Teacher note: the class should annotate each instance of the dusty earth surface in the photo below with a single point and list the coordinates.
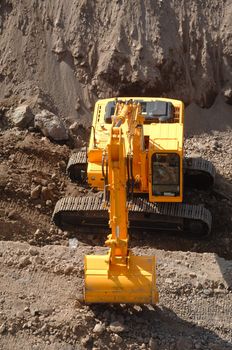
(42, 272)
(62, 58)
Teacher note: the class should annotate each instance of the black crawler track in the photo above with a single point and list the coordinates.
(90, 214)
(77, 166)
(198, 173)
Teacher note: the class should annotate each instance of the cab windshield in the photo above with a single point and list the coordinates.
(165, 174)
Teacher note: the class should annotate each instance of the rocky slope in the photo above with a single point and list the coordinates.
(68, 55)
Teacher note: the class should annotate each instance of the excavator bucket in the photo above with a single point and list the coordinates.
(115, 283)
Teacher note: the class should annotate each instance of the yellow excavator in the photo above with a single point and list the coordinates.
(136, 165)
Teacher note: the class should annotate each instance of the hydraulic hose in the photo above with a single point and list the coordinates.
(105, 175)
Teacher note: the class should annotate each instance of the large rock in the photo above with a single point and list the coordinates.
(51, 126)
(228, 96)
(99, 328)
(22, 116)
(35, 192)
(117, 327)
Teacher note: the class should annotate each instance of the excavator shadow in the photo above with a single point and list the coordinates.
(169, 329)
(219, 242)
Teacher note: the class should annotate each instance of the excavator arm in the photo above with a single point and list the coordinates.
(119, 276)
(118, 213)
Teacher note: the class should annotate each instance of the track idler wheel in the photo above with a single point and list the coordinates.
(196, 229)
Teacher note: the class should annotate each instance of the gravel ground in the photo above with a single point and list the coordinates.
(42, 275)
(41, 292)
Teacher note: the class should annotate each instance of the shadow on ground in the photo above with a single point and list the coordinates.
(165, 327)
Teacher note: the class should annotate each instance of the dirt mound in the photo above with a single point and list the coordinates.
(68, 56)
(217, 117)
(29, 163)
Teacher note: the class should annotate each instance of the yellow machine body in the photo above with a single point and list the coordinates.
(158, 137)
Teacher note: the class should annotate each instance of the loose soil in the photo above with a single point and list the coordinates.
(42, 274)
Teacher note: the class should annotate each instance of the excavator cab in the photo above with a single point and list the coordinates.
(165, 174)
